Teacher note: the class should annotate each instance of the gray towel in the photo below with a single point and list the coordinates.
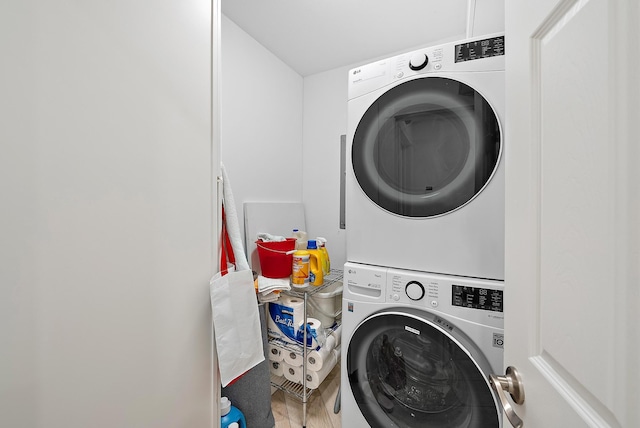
(251, 394)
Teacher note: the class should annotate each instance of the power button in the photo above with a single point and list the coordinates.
(434, 303)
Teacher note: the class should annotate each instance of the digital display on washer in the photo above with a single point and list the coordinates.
(480, 49)
(476, 298)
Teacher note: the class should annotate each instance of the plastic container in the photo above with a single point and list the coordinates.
(230, 415)
(300, 269)
(326, 305)
(326, 262)
(301, 239)
(276, 257)
(316, 260)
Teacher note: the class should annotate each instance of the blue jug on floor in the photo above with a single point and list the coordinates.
(230, 416)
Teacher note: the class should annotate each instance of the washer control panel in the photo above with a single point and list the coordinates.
(414, 289)
(473, 299)
(476, 300)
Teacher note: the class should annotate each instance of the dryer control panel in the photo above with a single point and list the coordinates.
(448, 57)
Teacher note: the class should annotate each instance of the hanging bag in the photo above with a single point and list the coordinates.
(252, 391)
(236, 319)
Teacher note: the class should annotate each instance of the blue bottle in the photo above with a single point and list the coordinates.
(230, 415)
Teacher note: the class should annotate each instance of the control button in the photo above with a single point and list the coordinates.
(418, 61)
(414, 290)
(437, 66)
(399, 75)
(395, 297)
(434, 303)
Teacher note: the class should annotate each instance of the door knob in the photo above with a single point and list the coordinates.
(511, 382)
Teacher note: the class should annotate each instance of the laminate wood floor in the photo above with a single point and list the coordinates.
(287, 409)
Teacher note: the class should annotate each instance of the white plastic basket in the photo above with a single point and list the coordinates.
(326, 305)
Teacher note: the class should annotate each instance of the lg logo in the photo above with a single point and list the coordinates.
(356, 71)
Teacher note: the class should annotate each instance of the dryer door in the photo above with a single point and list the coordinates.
(409, 370)
(426, 147)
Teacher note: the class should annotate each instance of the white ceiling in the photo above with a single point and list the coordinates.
(312, 36)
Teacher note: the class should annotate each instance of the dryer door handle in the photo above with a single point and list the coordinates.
(512, 383)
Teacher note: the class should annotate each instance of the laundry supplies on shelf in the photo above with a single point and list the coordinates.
(301, 239)
(316, 263)
(300, 269)
(275, 256)
(326, 305)
(295, 373)
(326, 262)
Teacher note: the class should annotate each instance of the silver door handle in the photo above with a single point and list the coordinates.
(512, 383)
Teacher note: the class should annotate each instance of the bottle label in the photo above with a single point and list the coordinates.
(300, 270)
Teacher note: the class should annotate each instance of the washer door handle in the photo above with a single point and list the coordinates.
(512, 383)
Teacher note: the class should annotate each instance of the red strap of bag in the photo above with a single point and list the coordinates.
(226, 249)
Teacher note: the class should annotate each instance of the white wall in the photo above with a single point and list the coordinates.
(485, 17)
(261, 116)
(107, 220)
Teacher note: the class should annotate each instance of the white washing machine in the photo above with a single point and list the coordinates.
(425, 176)
(418, 349)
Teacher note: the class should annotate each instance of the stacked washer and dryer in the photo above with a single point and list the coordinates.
(422, 316)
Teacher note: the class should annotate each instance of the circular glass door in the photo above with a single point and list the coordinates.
(426, 147)
(405, 371)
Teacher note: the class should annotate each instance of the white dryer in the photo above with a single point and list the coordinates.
(418, 349)
(425, 175)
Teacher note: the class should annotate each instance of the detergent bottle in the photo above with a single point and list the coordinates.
(316, 274)
(322, 246)
(230, 416)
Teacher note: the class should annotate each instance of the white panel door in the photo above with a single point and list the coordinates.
(572, 214)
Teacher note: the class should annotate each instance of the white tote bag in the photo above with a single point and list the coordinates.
(234, 306)
(236, 323)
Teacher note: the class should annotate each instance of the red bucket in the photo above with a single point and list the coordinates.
(276, 257)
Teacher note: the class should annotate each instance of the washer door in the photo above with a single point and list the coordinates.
(413, 370)
(426, 147)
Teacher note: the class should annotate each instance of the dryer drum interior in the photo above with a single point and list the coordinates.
(426, 147)
(406, 372)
